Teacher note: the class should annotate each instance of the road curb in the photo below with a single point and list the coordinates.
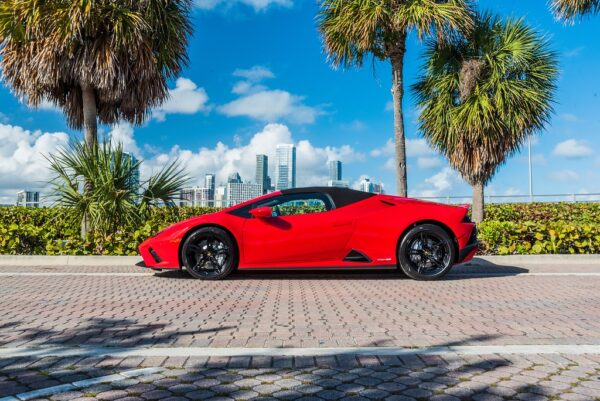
(42, 260)
(118, 261)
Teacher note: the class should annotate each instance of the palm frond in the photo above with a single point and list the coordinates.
(478, 117)
(570, 10)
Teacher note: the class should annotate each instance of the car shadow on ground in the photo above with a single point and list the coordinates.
(476, 269)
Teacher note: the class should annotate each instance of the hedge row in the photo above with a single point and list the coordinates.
(50, 231)
(508, 229)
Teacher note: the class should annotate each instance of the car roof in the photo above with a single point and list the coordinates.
(340, 196)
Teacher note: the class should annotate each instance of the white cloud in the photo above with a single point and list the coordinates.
(185, 98)
(573, 148)
(568, 117)
(565, 176)
(22, 162)
(269, 105)
(573, 52)
(439, 184)
(414, 148)
(428, 162)
(257, 5)
(312, 168)
(272, 106)
(123, 133)
(254, 74)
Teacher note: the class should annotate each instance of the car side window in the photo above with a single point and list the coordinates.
(296, 204)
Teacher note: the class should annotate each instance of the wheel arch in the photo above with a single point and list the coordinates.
(435, 223)
(206, 225)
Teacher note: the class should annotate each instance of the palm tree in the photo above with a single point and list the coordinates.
(569, 10)
(116, 198)
(483, 95)
(353, 29)
(98, 60)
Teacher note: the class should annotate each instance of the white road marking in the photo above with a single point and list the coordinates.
(41, 352)
(49, 274)
(49, 391)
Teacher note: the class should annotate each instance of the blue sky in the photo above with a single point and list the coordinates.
(258, 75)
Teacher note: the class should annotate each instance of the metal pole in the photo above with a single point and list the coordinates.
(530, 169)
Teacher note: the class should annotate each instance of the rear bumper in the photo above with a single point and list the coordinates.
(468, 251)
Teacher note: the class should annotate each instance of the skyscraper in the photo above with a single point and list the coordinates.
(28, 198)
(367, 186)
(335, 170)
(286, 167)
(209, 184)
(234, 178)
(262, 173)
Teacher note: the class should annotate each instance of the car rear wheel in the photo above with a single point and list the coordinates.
(426, 252)
(209, 253)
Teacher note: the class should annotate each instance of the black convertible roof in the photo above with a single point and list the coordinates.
(340, 196)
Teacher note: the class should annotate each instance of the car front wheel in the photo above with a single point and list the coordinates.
(209, 253)
(426, 252)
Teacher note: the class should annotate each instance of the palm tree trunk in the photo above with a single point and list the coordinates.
(90, 115)
(90, 133)
(397, 60)
(478, 203)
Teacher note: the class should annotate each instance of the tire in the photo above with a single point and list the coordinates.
(209, 253)
(426, 253)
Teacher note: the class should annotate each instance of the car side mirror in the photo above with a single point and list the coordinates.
(263, 212)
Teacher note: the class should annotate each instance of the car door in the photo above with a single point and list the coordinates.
(304, 228)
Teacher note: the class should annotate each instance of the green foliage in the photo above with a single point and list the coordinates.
(541, 228)
(111, 198)
(507, 238)
(538, 228)
(54, 231)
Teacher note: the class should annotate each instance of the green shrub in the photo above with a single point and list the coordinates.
(506, 238)
(55, 231)
(539, 228)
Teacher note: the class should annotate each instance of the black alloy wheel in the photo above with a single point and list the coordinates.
(426, 252)
(209, 253)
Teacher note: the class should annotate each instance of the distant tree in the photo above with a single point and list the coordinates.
(98, 60)
(569, 10)
(353, 29)
(483, 95)
(115, 199)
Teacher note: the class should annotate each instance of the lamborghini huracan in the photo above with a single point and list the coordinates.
(318, 228)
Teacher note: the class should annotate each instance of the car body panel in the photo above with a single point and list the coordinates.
(369, 228)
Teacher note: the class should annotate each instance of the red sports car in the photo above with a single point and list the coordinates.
(318, 228)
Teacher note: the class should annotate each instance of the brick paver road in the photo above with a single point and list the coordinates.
(117, 308)
(296, 310)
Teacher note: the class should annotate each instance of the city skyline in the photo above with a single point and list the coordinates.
(235, 190)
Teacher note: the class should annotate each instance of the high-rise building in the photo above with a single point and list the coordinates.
(338, 183)
(134, 180)
(196, 197)
(234, 178)
(367, 186)
(262, 172)
(238, 192)
(335, 170)
(28, 198)
(209, 184)
(221, 196)
(286, 167)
